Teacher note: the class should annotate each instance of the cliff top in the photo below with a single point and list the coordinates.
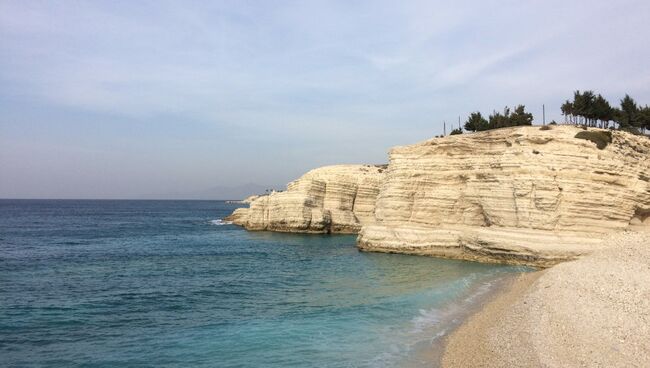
(581, 136)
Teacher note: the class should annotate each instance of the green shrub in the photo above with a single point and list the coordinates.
(601, 138)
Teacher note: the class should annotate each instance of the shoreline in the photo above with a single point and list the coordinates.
(474, 302)
(594, 311)
(473, 328)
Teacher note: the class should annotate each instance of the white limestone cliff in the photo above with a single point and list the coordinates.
(524, 195)
(521, 195)
(331, 199)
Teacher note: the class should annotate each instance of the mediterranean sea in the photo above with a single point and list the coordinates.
(102, 283)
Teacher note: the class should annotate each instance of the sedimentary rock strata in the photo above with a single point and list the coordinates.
(331, 199)
(520, 195)
(525, 195)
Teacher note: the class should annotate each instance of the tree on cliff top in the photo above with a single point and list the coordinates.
(476, 122)
(627, 114)
(588, 108)
(521, 117)
(602, 111)
(498, 120)
(507, 119)
(644, 118)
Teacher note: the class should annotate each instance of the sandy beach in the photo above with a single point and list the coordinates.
(593, 312)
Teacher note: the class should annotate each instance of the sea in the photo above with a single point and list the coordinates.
(121, 283)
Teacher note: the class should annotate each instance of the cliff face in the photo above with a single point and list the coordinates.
(518, 195)
(525, 195)
(331, 199)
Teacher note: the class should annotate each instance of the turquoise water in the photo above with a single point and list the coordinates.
(162, 284)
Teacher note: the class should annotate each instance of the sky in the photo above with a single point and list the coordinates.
(191, 99)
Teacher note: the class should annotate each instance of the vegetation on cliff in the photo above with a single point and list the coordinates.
(588, 108)
(477, 123)
(517, 195)
(601, 138)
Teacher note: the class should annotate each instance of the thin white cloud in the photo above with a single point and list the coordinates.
(317, 73)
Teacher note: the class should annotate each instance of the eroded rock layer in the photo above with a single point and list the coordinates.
(520, 195)
(331, 199)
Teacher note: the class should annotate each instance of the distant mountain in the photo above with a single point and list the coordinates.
(218, 192)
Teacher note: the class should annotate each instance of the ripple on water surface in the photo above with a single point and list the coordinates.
(167, 283)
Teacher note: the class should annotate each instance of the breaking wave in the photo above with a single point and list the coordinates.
(220, 222)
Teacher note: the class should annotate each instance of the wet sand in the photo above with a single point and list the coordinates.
(593, 312)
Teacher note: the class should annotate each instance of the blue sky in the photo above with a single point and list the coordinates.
(125, 99)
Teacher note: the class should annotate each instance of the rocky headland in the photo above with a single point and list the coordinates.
(524, 195)
(331, 199)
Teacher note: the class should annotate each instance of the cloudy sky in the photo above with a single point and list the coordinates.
(133, 99)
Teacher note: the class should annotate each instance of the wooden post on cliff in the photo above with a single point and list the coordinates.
(543, 115)
(444, 128)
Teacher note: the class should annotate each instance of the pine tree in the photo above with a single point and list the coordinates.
(476, 122)
(579, 105)
(589, 112)
(644, 118)
(498, 120)
(520, 117)
(567, 110)
(627, 113)
(602, 111)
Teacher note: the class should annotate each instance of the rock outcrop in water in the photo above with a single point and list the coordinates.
(331, 199)
(519, 195)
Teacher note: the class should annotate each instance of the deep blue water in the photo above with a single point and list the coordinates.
(161, 284)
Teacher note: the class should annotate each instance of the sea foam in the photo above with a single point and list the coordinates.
(220, 222)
